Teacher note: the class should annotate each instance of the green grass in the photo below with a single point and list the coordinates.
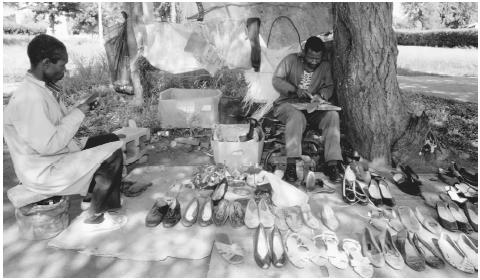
(437, 61)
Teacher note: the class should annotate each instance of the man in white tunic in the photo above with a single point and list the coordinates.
(39, 132)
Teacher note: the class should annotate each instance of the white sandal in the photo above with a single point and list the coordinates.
(360, 264)
(336, 257)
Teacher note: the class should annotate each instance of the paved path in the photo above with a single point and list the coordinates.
(457, 88)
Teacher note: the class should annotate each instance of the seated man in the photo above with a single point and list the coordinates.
(39, 132)
(305, 77)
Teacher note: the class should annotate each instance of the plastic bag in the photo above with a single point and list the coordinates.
(285, 194)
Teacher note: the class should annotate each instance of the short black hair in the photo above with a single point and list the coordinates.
(45, 46)
(315, 44)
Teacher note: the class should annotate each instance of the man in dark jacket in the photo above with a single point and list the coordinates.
(305, 77)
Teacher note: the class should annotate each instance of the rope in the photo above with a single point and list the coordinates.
(271, 27)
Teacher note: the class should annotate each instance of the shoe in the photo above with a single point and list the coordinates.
(406, 183)
(374, 193)
(279, 256)
(236, 214)
(205, 217)
(190, 216)
(261, 251)
(86, 202)
(361, 172)
(136, 188)
(409, 252)
(156, 213)
(445, 217)
(408, 218)
(310, 181)
(361, 265)
(469, 177)
(371, 249)
(329, 219)
(447, 177)
(387, 197)
(453, 254)
(297, 251)
(110, 222)
(472, 214)
(266, 218)
(280, 221)
(251, 214)
(220, 212)
(348, 186)
(360, 194)
(428, 222)
(431, 257)
(173, 215)
(392, 256)
(231, 252)
(470, 250)
(337, 258)
(290, 174)
(293, 218)
(308, 217)
(460, 217)
(333, 173)
(220, 191)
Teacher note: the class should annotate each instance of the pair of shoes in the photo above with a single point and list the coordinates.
(379, 192)
(194, 212)
(313, 185)
(166, 211)
(454, 255)
(258, 214)
(352, 191)
(407, 180)
(302, 250)
(463, 175)
(430, 256)
(453, 218)
(333, 173)
(266, 253)
(220, 191)
(228, 210)
(409, 252)
(337, 258)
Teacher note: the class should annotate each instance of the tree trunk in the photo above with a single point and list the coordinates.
(364, 63)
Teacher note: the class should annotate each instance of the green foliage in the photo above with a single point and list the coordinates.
(23, 29)
(438, 38)
(87, 20)
(458, 14)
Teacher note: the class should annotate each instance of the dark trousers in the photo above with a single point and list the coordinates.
(105, 186)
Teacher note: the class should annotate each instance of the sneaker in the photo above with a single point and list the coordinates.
(110, 222)
(333, 173)
(290, 173)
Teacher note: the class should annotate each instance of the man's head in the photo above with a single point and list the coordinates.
(314, 48)
(48, 57)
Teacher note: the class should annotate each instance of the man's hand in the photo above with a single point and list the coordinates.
(318, 99)
(88, 103)
(303, 93)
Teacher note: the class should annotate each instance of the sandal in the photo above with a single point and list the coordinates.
(293, 218)
(329, 219)
(297, 250)
(308, 217)
(428, 222)
(348, 186)
(360, 194)
(231, 252)
(319, 251)
(336, 257)
(361, 265)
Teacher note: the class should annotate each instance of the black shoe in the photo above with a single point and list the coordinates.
(290, 173)
(333, 173)
(173, 215)
(156, 214)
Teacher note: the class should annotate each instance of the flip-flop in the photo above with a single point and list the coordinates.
(361, 265)
(329, 219)
(453, 254)
(428, 222)
(293, 218)
(427, 252)
(445, 217)
(297, 251)
(472, 214)
(336, 257)
(470, 250)
(308, 217)
(460, 217)
(231, 252)
(408, 218)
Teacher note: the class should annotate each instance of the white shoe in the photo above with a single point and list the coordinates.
(111, 222)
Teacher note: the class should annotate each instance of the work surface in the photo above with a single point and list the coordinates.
(24, 258)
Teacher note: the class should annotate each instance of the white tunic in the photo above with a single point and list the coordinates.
(39, 132)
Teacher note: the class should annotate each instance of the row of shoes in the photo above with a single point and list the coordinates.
(293, 218)
(453, 218)
(454, 175)
(379, 192)
(460, 193)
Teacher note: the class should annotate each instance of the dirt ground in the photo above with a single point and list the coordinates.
(23, 258)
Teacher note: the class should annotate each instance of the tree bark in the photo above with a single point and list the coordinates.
(364, 63)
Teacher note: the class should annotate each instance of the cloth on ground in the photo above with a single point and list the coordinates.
(137, 242)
